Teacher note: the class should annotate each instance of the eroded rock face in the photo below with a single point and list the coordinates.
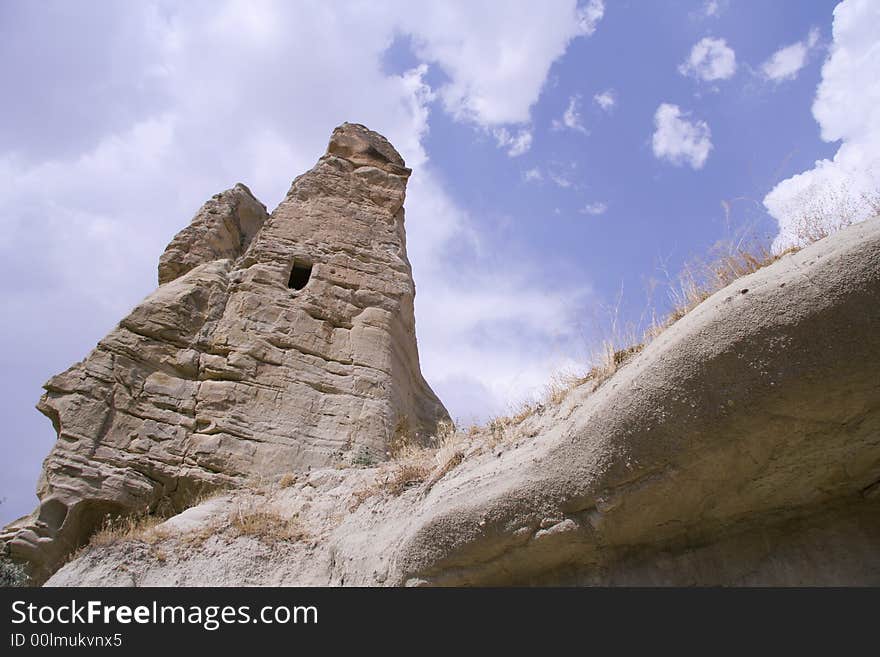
(273, 344)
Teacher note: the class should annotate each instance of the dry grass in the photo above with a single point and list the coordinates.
(699, 279)
(144, 527)
(195, 539)
(266, 526)
(413, 464)
(404, 476)
(288, 479)
(117, 529)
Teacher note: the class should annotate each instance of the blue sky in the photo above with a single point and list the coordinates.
(566, 154)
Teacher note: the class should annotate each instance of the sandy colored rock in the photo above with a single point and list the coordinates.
(740, 447)
(273, 344)
(222, 230)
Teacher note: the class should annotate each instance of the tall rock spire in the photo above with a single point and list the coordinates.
(273, 344)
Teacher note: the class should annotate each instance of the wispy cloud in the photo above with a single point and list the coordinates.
(595, 208)
(787, 62)
(606, 100)
(571, 117)
(712, 8)
(562, 174)
(710, 59)
(533, 175)
(560, 179)
(516, 143)
(589, 16)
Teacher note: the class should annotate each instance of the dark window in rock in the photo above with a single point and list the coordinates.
(299, 275)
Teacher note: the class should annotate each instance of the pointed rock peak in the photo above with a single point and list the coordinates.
(222, 228)
(362, 146)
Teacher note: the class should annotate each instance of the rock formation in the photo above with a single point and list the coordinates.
(274, 343)
(741, 446)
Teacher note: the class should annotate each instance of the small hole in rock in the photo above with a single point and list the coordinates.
(299, 275)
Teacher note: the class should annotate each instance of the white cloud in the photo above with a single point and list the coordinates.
(571, 117)
(589, 16)
(786, 63)
(678, 139)
(496, 58)
(516, 143)
(595, 209)
(606, 100)
(710, 59)
(533, 175)
(847, 108)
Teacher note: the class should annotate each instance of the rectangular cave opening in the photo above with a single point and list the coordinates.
(299, 275)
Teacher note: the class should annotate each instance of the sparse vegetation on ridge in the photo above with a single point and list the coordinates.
(699, 279)
(413, 465)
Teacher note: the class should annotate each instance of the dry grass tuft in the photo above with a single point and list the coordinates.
(404, 476)
(288, 479)
(701, 278)
(117, 529)
(266, 526)
(413, 464)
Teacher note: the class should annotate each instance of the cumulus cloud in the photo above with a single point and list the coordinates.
(710, 59)
(496, 58)
(571, 117)
(115, 138)
(678, 139)
(606, 100)
(847, 109)
(786, 63)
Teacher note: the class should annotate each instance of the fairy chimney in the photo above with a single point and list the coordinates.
(273, 344)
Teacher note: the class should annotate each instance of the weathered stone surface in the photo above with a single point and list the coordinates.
(222, 230)
(273, 344)
(741, 447)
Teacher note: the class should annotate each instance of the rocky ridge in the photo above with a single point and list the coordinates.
(242, 399)
(740, 447)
